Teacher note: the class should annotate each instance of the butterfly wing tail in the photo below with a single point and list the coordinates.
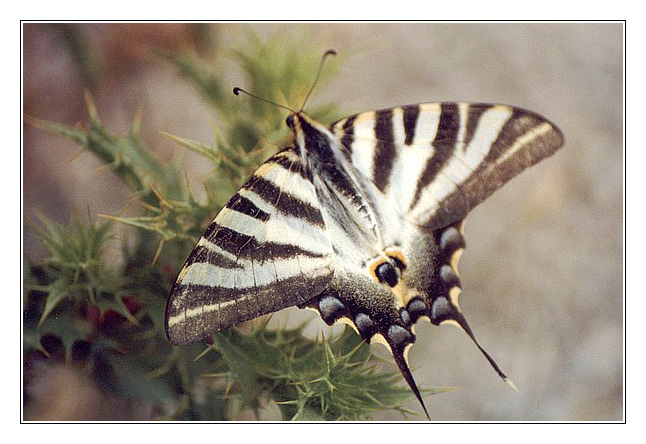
(399, 354)
(462, 322)
(445, 312)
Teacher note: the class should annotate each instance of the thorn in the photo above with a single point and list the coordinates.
(32, 121)
(159, 250)
(136, 121)
(107, 216)
(91, 107)
(76, 156)
(149, 207)
(214, 128)
(162, 201)
(201, 355)
(188, 186)
(171, 137)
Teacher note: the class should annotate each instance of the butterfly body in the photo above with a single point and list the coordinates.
(360, 221)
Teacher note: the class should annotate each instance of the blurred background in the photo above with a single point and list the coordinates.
(542, 273)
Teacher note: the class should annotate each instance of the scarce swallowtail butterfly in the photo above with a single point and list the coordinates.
(360, 220)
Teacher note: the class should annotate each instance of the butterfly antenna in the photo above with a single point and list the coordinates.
(329, 52)
(237, 92)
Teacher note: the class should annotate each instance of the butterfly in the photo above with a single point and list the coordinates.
(361, 220)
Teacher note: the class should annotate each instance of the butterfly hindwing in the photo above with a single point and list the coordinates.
(266, 250)
(385, 299)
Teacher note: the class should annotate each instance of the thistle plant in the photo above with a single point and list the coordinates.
(81, 310)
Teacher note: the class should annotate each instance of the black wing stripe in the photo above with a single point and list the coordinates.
(247, 247)
(284, 202)
(294, 165)
(205, 309)
(348, 135)
(243, 205)
(520, 122)
(208, 234)
(204, 295)
(475, 111)
(202, 254)
(385, 151)
(411, 113)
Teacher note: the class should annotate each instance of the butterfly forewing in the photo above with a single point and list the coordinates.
(266, 250)
(439, 160)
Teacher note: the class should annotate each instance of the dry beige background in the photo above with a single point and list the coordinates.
(542, 274)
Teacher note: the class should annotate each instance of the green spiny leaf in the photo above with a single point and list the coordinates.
(210, 152)
(56, 292)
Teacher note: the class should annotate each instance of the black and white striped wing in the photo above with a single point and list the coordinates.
(422, 168)
(268, 249)
(436, 161)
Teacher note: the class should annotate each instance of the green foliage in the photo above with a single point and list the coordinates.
(74, 268)
(109, 318)
(310, 380)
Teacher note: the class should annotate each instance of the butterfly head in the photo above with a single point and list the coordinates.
(290, 121)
